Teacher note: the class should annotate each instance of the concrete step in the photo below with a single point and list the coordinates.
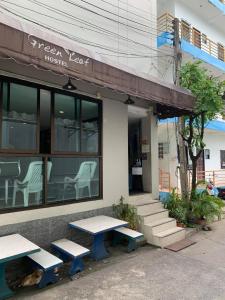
(155, 216)
(167, 237)
(161, 225)
(149, 208)
(140, 199)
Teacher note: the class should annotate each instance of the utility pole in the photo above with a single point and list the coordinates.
(181, 121)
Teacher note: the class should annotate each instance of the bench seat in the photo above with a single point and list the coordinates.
(128, 233)
(48, 263)
(68, 250)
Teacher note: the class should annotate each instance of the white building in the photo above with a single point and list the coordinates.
(202, 34)
(68, 154)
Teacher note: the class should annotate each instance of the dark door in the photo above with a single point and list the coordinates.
(222, 159)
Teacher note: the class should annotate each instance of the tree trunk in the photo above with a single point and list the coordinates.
(194, 176)
(183, 160)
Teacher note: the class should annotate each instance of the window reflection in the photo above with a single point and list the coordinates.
(21, 181)
(67, 125)
(19, 117)
(90, 126)
(73, 178)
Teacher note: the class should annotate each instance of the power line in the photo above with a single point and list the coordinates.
(137, 8)
(108, 18)
(64, 33)
(102, 30)
(130, 12)
(121, 17)
(92, 44)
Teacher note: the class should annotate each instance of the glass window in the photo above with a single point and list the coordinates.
(207, 153)
(90, 127)
(21, 181)
(19, 123)
(73, 178)
(67, 124)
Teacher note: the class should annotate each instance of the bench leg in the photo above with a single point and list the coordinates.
(132, 245)
(117, 238)
(77, 265)
(5, 292)
(48, 277)
(98, 250)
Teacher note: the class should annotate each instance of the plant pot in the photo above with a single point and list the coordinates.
(181, 225)
(200, 222)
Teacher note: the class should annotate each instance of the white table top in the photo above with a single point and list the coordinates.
(45, 259)
(98, 224)
(14, 246)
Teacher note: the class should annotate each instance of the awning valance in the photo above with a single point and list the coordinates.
(30, 49)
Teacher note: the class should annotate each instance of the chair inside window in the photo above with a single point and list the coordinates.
(32, 182)
(82, 179)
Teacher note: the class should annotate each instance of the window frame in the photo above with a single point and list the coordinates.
(82, 98)
(5, 150)
(36, 152)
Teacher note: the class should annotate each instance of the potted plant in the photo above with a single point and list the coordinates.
(126, 212)
(177, 208)
(204, 209)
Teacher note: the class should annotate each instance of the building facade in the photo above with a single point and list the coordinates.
(78, 129)
(202, 36)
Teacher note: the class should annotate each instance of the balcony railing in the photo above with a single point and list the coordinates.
(192, 35)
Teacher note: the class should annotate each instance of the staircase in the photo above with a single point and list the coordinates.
(155, 224)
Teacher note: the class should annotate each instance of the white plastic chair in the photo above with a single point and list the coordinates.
(32, 183)
(83, 178)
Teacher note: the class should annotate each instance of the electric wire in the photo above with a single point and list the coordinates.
(81, 40)
(108, 18)
(131, 12)
(108, 32)
(112, 13)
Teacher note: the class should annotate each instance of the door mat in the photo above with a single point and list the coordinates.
(180, 245)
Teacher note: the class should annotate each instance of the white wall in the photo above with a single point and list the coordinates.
(214, 142)
(169, 163)
(109, 27)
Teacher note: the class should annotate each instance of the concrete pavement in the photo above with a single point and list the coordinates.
(197, 272)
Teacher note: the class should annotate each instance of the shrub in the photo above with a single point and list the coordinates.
(204, 206)
(126, 212)
(177, 207)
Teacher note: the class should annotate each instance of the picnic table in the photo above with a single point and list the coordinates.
(97, 227)
(12, 247)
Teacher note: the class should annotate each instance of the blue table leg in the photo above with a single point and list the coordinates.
(5, 292)
(132, 245)
(77, 265)
(98, 250)
(48, 277)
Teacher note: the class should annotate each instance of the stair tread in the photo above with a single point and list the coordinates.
(160, 222)
(148, 202)
(168, 232)
(150, 214)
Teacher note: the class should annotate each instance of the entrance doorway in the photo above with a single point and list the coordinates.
(137, 140)
(135, 160)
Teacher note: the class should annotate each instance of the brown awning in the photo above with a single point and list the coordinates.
(29, 49)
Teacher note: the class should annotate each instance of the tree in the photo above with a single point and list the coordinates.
(209, 104)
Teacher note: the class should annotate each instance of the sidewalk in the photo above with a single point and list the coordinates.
(197, 272)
